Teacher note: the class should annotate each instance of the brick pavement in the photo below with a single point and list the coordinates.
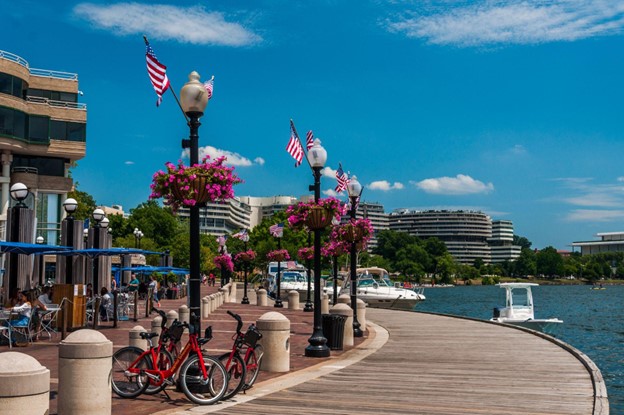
(46, 351)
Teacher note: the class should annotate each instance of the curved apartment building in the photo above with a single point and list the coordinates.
(465, 233)
(42, 132)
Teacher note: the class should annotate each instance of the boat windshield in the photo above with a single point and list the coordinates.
(520, 298)
(292, 277)
(366, 282)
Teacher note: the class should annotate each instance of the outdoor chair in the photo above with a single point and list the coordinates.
(19, 334)
(6, 333)
(49, 319)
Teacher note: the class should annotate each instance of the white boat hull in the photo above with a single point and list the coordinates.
(388, 303)
(548, 326)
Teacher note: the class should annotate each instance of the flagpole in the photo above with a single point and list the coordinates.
(172, 90)
(299, 138)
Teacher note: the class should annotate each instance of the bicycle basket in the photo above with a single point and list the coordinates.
(175, 332)
(252, 336)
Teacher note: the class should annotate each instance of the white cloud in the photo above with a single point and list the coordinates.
(128, 163)
(331, 193)
(385, 185)
(587, 193)
(459, 185)
(512, 22)
(590, 215)
(328, 172)
(166, 22)
(233, 159)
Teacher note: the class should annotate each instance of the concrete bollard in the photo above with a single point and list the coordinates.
(225, 291)
(156, 328)
(213, 302)
(205, 307)
(171, 316)
(85, 366)
(293, 300)
(185, 315)
(361, 314)
(275, 329)
(345, 310)
(324, 303)
(261, 298)
(134, 338)
(233, 288)
(24, 385)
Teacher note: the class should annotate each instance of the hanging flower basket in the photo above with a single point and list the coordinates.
(356, 230)
(334, 248)
(182, 185)
(314, 215)
(224, 262)
(318, 218)
(245, 256)
(279, 255)
(306, 253)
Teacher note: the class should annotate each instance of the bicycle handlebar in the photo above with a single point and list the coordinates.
(238, 319)
(163, 316)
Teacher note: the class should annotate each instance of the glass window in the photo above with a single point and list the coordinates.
(19, 124)
(76, 131)
(17, 87)
(68, 97)
(58, 130)
(48, 166)
(6, 83)
(6, 121)
(38, 128)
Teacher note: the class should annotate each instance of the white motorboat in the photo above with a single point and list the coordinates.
(375, 288)
(518, 309)
(290, 280)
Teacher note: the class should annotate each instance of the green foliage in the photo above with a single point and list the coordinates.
(522, 242)
(154, 221)
(86, 203)
(549, 262)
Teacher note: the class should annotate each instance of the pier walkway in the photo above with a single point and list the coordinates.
(430, 364)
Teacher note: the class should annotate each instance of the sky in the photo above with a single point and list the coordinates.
(513, 108)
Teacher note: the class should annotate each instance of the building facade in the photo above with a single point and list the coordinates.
(378, 218)
(468, 235)
(223, 218)
(609, 242)
(42, 133)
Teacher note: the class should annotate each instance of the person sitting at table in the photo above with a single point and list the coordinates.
(46, 296)
(106, 299)
(38, 309)
(23, 308)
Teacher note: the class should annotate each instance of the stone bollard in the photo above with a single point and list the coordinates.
(205, 307)
(361, 314)
(225, 291)
(275, 329)
(185, 315)
(171, 316)
(134, 338)
(345, 310)
(233, 288)
(261, 297)
(324, 303)
(344, 299)
(85, 366)
(214, 302)
(156, 328)
(24, 385)
(293, 300)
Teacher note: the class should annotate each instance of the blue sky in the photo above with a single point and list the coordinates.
(510, 107)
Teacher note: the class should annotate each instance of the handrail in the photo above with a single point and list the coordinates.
(54, 74)
(13, 58)
(54, 103)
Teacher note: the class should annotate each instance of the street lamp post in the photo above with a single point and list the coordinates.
(40, 241)
(19, 192)
(222, 251)
(245, 238)
(98, 217)
(317, 347)
(278, 281)
(137, 237)
(193, 100)
(355, 190)
(70, 205)
(308, 304)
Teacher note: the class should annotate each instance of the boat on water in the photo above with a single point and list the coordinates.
(375, 288)
(518, 309)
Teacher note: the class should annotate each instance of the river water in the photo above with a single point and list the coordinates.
(593, 321)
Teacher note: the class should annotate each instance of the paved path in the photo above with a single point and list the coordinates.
(434, 364)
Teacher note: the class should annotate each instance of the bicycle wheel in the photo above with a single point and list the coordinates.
(236, 374)
(165, 362)
(199, 390)
(129, 385)
(252, 364)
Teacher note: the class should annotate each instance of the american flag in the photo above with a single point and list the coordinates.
(343, 179)
(157, 73)
(241, 235)
(309, 140)
(209, 85)
(277, 230)
(294, 147)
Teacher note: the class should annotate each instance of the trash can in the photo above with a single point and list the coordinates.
(333, 330)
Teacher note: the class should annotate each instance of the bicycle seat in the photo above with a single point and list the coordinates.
(145, 335)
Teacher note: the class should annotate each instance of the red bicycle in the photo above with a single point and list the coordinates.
(202, 378)
(242, 363)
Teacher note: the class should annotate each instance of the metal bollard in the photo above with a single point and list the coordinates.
(85, 365)
(261, 297)
(24, 385)
(275, 329)
(293, 300)
(134, 338)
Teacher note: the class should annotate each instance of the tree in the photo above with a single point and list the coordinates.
(390, 242)
(525, 264)
(549, 262)
(154, 221)
(522, 242)
(86, 203)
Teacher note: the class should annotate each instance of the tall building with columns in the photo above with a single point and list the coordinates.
(42, 133)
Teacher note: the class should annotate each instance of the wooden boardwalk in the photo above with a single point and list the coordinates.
(435, 364)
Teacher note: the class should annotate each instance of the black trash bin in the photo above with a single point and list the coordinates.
(333, 330)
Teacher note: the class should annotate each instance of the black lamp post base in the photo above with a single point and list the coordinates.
(357, 332)
(317, 351)
(245, 300)
(278, 303)
(308, 307)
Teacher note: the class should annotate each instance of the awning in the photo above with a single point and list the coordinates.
(94, 252)
(28, 249)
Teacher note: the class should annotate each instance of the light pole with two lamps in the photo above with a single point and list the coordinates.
(138, 235)
(317, 347)
(354, 188)
(193, 100)
(98, 217)
(245, 239)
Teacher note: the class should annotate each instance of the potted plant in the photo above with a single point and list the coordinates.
(314, 215)
(182, 185)
(245, 256)
(356, 230)
(278, 255)
(224, 262)
(306, 253)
